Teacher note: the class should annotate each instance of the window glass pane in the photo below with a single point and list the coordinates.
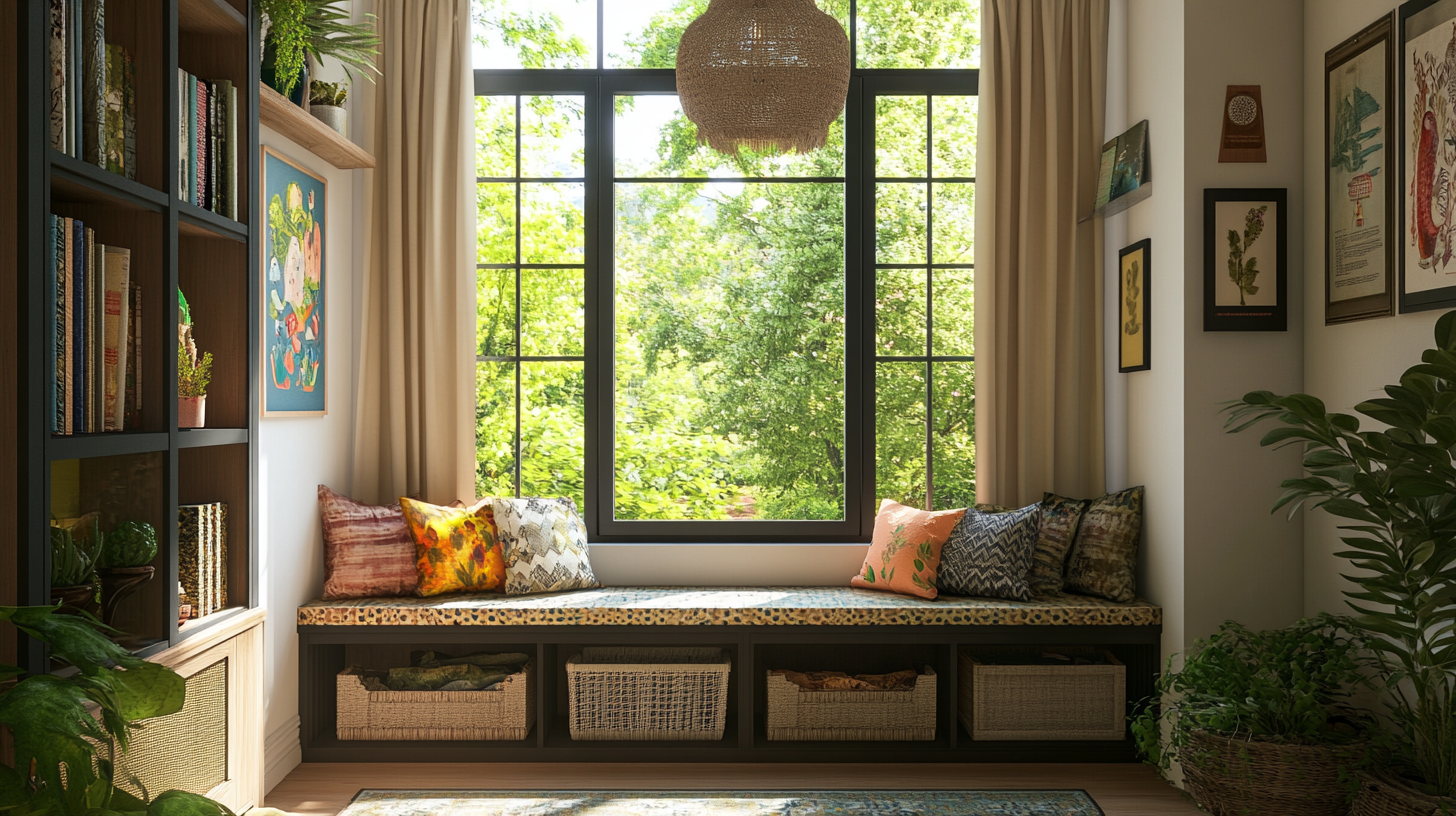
(553, 312)
(953, 123)
(955, 223)
(954, 436)
(495, 312)
(495, 136)
(955, 302)
(919, 33)
(900, 432)
(900, 136)
(553, 440)
(730, 351)
(654, 139)
(495, 232)
(900, 223)
(534, 33)
(900, 312)
(553, 228)
(495, 429)
(553, 136)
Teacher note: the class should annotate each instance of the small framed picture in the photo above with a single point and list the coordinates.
(1245, 259)
(1135, 346)
(1428, 163)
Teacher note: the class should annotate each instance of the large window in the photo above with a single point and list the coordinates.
(699, 347)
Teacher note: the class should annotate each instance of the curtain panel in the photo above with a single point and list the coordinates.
(1038, 313)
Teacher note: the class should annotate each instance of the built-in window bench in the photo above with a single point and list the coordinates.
(762, 628)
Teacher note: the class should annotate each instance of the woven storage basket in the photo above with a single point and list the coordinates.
(505, 713)
(1043, 702)
(1237, 777)
(1381, 795)
(648, 693)
(897, 714)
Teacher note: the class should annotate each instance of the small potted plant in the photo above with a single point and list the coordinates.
(1257, 720)
(126, 564)
(326, 104)
(193, 372)
(300, 30)
(75, 548)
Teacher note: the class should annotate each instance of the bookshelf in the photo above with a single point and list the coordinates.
(146, 471)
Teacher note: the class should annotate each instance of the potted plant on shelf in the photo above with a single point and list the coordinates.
(1397, 490)
(302, 29)
(193, 372)
(52, 724)
(75, 547)
(326, 104)
(1258, 720)
(126, 564)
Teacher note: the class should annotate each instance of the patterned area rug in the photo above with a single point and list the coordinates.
(722, 803)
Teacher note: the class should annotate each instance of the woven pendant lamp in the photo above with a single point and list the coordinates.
(763, 73)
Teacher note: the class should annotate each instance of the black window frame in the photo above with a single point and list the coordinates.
(598, 87)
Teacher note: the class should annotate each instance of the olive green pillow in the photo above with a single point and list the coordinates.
(1104, 555)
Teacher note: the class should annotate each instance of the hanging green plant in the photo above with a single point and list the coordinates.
(287, 40)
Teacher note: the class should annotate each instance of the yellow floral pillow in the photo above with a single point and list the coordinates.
(456, 548)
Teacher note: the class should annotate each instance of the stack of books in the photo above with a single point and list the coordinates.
(202, 556)
(97, 331)
(92, 90)
(207, 138)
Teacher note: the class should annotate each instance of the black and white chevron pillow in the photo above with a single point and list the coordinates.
(989, 554)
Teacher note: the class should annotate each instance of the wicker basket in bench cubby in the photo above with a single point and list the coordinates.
(1001, 701)
(648, 693)
(504, 713)
(905, 714)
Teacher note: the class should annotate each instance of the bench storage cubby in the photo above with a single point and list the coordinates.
(648, 693)
(838, 715)
(1002, 698)
(504, 713)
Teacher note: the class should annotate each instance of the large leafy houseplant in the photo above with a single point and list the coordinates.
(298, 29)
(66, 755)
(1396, 490)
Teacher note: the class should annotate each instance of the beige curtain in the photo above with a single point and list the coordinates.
(1038, 328)
(414, 435)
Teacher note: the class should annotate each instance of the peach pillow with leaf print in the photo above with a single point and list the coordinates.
(456, 549)
(905, 551)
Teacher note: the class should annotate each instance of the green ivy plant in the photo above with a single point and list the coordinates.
(1396, 490)
(287, 39)
(66, 755)
(1284, 685)
(316, 28)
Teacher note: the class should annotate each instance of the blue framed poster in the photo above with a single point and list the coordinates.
(294, 361)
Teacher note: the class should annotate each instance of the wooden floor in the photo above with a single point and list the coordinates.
(1121, 790)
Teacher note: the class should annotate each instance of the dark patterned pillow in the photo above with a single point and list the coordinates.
(1059, 519)
(1104, 556)
(988, 554)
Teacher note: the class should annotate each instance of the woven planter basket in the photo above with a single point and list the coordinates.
(893, 715)
(1009, 702)
(648, 693)
(763, 74)
(506, 713)
(1383, 795)
(1237, 777)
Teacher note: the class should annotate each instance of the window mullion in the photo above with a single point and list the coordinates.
(519, 347)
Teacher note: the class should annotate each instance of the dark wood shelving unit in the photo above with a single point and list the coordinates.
(142, 473)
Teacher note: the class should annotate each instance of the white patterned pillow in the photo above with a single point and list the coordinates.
(990, 554)
(545, 546)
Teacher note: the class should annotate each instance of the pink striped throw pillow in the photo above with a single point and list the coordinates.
(368, 551)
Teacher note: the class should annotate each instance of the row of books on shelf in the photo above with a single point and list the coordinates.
(97, 330)
(207, 143)
(202, 558)
(92, 89)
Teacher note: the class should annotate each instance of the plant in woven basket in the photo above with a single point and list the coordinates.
(69, 731)
(1258, 720)
(1397, 490)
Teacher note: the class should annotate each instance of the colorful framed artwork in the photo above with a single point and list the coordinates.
(294, 363)
(1427, 258)
(1135, 346)
(1360, 202)
(1245, 259)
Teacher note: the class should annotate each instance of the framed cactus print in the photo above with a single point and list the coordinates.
(1427, 259)
(294, 217)
(1135, 346)
(1245, 259)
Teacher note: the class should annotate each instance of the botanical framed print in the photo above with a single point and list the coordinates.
(1245, 260)
(1360, 200)
(1427, 259)
(294, 217)
(1135, 346)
